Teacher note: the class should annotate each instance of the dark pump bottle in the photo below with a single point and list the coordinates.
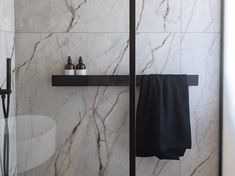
(81, 67)
(69, 67)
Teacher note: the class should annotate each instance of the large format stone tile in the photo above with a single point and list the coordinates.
(158, 15)
(108, 53)
(152, 166)
(7, 15)
(158, 53)
(108, 16)
(200, 54)
(92, 122)
(201, 15)
(51, 16)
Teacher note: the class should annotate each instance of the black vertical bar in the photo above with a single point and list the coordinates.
(221, 89)
(8, 70)
(8, 74)
(132, 88)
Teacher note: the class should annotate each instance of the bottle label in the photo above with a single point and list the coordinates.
(81, 72)
(69, 72)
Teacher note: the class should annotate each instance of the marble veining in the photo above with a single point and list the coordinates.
(179, 36)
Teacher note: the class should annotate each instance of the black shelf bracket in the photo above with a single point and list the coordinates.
(105, 80)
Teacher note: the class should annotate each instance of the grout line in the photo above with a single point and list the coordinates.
(7, 31)
(116, 32)
(182, 32)
(73, 32)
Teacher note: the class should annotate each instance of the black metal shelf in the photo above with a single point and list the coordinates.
(104, 80)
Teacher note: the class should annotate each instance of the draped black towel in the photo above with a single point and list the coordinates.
(163, 118)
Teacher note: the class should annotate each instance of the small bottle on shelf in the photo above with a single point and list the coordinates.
(69, 68)
(80, 67)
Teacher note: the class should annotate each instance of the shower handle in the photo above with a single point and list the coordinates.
(8, 79)
(6, 92)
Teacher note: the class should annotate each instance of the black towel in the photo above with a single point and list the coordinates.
(163, 118)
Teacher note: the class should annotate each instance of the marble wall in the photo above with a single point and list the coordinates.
(7, 51)
(180, 36)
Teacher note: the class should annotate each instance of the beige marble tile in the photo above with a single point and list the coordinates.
(51, 16)
(158, 15)
(92, 122)
(108, 16)
(158, 53)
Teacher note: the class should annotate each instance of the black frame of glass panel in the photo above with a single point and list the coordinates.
(132, 86)
(221, 89)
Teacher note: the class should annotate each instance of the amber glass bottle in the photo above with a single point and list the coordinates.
(69, 67)
(80, 67)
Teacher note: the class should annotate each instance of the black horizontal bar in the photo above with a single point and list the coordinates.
(104, 80)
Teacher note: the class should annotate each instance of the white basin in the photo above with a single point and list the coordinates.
(36, 141)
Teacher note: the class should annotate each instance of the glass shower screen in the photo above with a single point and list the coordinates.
(68, 124)
(182, 37)
(72, 125)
